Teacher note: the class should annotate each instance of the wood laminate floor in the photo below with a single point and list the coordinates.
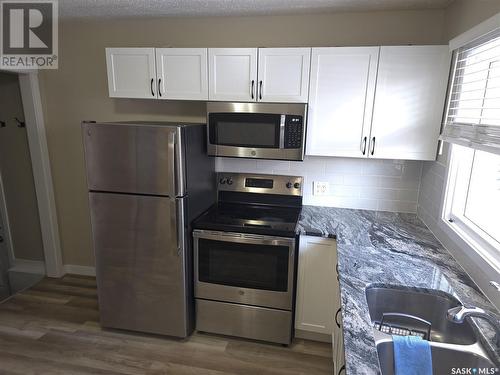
(52, 328)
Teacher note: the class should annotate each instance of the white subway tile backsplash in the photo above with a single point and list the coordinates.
(335, 179)
(408, 195)
(387, 185)
(345, 191)
(344, 166)
(387, 168)
(397, 206)
(275, 165)
(368, 192)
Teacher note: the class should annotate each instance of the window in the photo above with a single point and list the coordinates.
(472, 125)
(473, 106)
(473, 203)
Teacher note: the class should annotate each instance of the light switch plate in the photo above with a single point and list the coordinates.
(321, 188)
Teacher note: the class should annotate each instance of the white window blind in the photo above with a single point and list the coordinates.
(473, 107)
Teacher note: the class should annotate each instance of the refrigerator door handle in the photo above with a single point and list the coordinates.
(177, 224)
(171, 163)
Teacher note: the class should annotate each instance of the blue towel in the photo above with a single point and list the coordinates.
(412, 356)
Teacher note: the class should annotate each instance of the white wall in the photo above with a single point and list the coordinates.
(385, 185)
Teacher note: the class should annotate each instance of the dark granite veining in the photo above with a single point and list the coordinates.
(386, 248)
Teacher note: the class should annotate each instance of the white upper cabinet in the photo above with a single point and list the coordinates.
(283, 74)
(409, 102)
(131, 72)
(182, 73)
(341, 96)
(232, 74)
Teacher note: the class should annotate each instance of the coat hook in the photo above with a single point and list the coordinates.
(2, 124)
(20, 124)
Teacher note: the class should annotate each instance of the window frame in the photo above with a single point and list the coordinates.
(475, 237)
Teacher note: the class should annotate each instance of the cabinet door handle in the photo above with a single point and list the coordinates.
(253, 88)
(159, 87)
(260, 90)
(337, 318)
(373, 145)
(363, 148)
(152, 90)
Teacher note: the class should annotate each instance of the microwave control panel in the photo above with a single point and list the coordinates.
(293, 131)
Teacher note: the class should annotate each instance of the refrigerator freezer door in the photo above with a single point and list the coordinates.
(139, 159)
(140, 262)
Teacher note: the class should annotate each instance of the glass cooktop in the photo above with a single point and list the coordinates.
(246, 218)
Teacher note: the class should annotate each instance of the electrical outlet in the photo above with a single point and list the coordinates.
(321, 188)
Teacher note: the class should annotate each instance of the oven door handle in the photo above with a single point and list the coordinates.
(243, 237)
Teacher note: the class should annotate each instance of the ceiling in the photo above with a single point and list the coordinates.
(193, 8)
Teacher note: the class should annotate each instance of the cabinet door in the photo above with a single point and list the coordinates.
(284, 74)
(315, 306)
(409, 102)
(182, 73)
(232, 74)
(131, 72)
(341, 100)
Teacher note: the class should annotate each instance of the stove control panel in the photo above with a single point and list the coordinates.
(260, 183)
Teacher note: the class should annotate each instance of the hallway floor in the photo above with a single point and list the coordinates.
(52, 328)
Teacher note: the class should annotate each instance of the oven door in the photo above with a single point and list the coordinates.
(244, 268)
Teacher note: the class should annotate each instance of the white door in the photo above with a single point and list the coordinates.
(284, 74)
(315, 305)
(131, 72)
(232, 74)
(341, 100)
(182, 73)
(409, 102)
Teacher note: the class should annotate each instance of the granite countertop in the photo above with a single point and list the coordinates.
(390, 249)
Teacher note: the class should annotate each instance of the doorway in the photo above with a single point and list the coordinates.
(21, 251)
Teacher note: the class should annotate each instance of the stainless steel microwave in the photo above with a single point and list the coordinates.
(257, 130)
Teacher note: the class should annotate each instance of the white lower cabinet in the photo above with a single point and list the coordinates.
(317, 310)
(315, 306)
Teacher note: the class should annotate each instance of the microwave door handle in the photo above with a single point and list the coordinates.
(282, 131)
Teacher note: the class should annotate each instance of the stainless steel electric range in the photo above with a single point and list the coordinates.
(245, 257)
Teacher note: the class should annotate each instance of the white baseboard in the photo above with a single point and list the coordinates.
(28, 266)
(79, 270)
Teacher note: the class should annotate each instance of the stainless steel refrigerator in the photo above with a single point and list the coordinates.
(147, 182)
